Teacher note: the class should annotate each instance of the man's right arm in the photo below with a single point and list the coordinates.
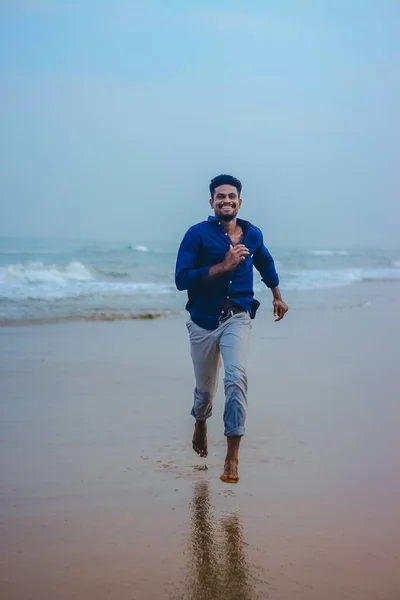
(189, 275)
(187, 272)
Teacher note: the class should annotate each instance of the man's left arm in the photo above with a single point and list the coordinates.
(264, 263)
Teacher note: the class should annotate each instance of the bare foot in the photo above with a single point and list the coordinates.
(199, 441)
(230, 474)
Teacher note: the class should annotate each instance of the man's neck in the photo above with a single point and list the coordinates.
(229, 227)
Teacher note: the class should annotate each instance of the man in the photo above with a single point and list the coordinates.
(215, 265)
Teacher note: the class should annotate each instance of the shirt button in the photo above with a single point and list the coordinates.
(226, 234)
(228, 297)
(231, 282)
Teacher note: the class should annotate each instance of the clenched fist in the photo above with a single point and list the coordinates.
(234, 256)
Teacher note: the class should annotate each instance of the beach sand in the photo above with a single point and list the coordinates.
(102, 496)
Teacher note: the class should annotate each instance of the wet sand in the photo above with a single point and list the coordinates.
(101, 496)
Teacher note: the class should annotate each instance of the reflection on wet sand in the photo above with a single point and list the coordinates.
(218, 567)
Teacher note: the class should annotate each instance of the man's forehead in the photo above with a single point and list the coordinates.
(225, 189)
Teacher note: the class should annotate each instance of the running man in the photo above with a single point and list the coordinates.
(215, 265)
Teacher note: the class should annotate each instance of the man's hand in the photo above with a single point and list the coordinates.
(234, 256)
(280, 308)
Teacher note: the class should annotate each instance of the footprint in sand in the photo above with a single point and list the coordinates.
(200, 468)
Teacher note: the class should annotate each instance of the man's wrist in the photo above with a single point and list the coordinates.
(218, 269)
(276, 293)
(224, 267)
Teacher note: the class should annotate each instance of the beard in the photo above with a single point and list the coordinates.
(227, 218)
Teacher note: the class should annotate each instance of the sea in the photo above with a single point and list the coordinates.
(55, 280)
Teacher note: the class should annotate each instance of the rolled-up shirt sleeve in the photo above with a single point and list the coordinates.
(188, 273)
(264, 263)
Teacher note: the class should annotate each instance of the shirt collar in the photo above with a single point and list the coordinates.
(244, 224)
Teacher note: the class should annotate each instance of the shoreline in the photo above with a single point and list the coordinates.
(90, 317)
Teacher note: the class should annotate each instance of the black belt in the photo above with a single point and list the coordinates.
(229, 312)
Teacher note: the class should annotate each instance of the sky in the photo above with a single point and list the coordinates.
(116, 114)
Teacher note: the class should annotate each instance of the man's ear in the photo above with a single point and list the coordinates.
(212, 202)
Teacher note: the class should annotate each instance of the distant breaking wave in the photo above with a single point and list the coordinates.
(139, 248)
(329, 252)
(313, 279)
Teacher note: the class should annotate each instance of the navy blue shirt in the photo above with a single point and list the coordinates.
(205, 245)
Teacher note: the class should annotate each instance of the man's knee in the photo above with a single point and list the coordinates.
(236, 376)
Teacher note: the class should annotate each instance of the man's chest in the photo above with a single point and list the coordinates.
(237, 237)
(216, 244)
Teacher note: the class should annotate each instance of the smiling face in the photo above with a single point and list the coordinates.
(226, 202)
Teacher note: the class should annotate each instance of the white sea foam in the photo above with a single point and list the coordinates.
(37, 273)
(328, 252)
(37, 281)
(313, 279)
(141, 248)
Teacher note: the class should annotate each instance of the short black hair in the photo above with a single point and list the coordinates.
(225, 180)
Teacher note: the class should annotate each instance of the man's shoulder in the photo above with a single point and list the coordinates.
(198, 227)
(201, 224)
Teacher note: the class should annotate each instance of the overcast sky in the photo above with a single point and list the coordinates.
(115, 115)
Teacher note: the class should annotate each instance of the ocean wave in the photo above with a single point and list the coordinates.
(139, 248)
(329, 252)
(312, 279)
(38, 281)
(47, 292)
(42, 284)
(39, 273)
